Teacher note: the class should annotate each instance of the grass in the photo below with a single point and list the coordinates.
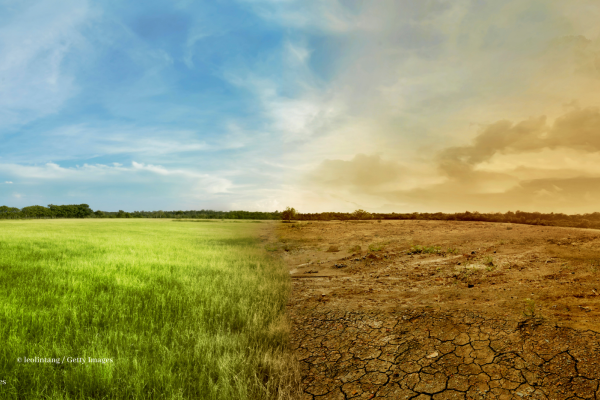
(197, 220)
(418, 249)
(530, 310)
(376, 247)
(489, 263)
(176, 311)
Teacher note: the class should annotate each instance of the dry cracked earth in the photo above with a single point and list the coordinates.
(495, 311)
(424, 355)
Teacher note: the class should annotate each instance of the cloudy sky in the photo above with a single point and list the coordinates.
(323, 105)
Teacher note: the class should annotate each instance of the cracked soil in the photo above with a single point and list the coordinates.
(479, 311)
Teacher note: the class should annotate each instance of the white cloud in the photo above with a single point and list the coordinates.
(34, 45)
(98, 173)
(82, 141)
(297, 106)
(8, 182)
(194, 37)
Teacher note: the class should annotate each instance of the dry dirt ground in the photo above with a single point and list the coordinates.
(443, 309)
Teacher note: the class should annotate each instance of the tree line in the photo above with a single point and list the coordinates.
(590, 220)
(52, 211)
(84, 211)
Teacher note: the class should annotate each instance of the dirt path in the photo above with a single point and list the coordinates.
(493, 311)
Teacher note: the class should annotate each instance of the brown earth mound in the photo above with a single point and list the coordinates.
(428, 309)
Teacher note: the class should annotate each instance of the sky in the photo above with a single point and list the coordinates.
(320, 105)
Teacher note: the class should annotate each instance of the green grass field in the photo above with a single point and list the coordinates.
(156, 310)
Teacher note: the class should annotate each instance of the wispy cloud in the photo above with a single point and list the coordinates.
(102, 172)
(293, 103)
(137, 183)
(35, 44)
(320, 104)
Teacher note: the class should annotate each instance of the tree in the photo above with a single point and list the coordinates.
(9, 212)
(82, 211)
(36, 212)
(361, 214)
(289, 214)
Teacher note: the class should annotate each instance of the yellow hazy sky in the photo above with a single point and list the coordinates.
(456, 105)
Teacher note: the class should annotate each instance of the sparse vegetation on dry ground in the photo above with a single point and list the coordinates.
(172, 310)
(493, 293)
(440, 256)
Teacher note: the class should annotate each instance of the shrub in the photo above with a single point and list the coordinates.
(361, 214)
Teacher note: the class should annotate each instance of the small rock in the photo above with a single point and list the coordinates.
(433, 355)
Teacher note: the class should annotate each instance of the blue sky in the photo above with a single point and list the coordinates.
(320, 105)
(136, 106)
